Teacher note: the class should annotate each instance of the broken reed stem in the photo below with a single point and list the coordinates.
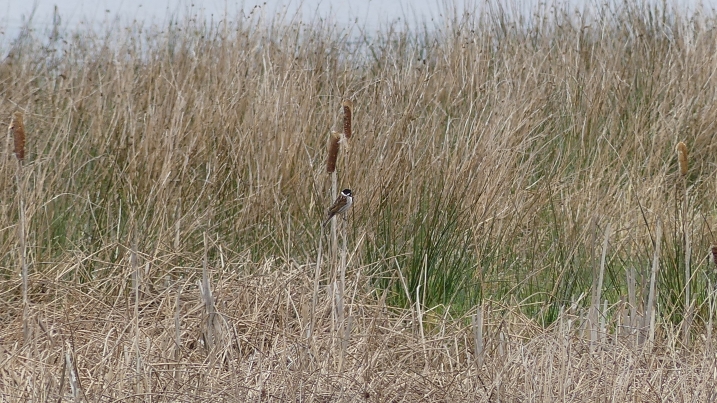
(208, 299)
(17, 130)
(72, 375)
(477, 324)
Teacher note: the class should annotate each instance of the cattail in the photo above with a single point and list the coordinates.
(714, 254)
(17, 129)
(334, 140)
(682, 157)
(348, 107)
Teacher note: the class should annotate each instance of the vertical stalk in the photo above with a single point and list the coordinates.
(23, 251)
(650, 311)
(17, 130)
(333, 255)
(687, 247)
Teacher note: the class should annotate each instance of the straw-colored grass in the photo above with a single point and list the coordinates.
(519, 205)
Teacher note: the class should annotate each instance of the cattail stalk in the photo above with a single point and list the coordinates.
(334, 251)
(339, 276)
(682, 157)
(343, 324)
(333, 146)
(333, 153)
(348, 107)
(17, 130)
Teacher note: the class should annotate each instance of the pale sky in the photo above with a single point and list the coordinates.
(368, 14)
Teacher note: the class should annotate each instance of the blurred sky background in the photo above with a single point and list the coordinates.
(366, 15)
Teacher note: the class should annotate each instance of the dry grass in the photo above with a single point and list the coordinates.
(263, 351)
(174, 187)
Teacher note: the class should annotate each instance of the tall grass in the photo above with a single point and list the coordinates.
(516, 167)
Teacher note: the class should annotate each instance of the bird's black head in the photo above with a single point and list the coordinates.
(346, 192)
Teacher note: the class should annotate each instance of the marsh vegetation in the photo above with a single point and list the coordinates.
(523, 228)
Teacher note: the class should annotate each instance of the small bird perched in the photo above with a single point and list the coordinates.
(341, 204)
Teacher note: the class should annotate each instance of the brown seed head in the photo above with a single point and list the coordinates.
(348, 107)
(333, 146)
(714, 254)
(682, 157)
(17, 129)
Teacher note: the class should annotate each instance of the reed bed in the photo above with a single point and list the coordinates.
(523, 228)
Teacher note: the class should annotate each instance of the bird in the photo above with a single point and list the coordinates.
(341, 204)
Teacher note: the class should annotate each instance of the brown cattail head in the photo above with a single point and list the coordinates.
(334, 140)
(714, 254)
(17, 129)
(348, 107)
(682, 157)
